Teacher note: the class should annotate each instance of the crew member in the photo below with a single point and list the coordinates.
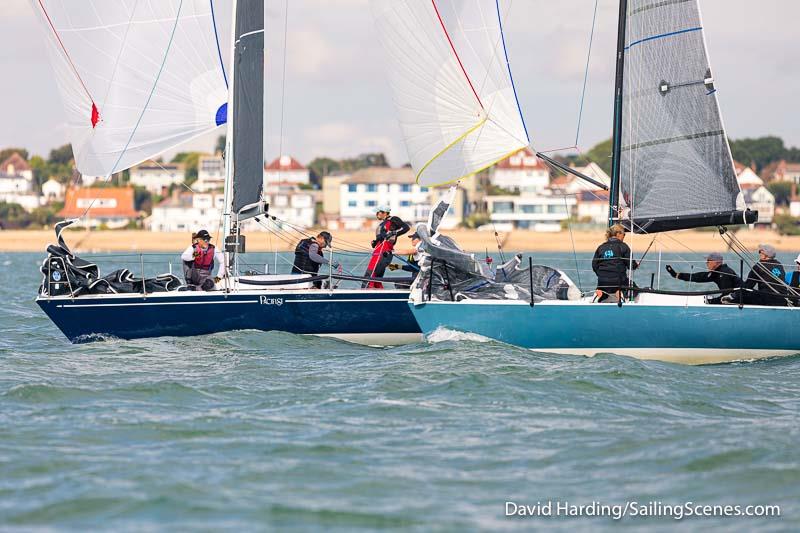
(203, 256)
(718, 272)
(389, 228)
(793, 278)
(187, 265)
(308, 256)
(611, 262)
(411, 263)
(767, 277)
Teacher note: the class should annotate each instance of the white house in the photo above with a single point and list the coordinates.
(521, 172)
(367, 189)
(286, 169)
(156, 178)
(16, 175)
(747, 178)
(53, 191)
(210, 173)
(289, 204)
(533, 212)
(592, 207)
(760, 199)
(184, 211)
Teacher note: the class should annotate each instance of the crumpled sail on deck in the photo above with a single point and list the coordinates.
(452, 85)
(136, 78)
(676, 169)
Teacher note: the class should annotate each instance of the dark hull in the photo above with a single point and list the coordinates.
(368, 316)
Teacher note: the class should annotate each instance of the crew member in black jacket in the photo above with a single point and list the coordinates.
(767, 278)
(611, 262)
(718, 272)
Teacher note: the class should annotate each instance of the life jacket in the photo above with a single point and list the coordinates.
(205, 258)
(302, 262)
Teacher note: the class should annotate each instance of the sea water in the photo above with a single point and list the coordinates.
(270, 431)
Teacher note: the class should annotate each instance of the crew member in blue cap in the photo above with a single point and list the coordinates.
(718, 272)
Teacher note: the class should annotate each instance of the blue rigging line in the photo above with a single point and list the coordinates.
(508, 66)
(670, 34)
(216, 39)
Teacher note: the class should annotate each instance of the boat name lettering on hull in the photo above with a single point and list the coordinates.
(263, 300)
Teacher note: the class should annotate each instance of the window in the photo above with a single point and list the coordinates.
(405, 203)
(371, 203)
(352, 203)
(531, 208)
(423, 189)
(371, 187)
(503, 207)
(352, 187)
(405, 188)
(557, 209)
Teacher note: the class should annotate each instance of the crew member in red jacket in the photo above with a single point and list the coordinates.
(201, 257)
(389, 228)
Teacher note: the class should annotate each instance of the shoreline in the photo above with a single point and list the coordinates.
(140, 241)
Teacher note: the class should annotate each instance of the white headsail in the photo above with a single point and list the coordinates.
(136, 77)
(452, 85)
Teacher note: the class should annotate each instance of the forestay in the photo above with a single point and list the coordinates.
(136, 78)
(676, 169)
(452, 85)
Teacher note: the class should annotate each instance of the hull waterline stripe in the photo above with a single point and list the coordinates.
(140, 304)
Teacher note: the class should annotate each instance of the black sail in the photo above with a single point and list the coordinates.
(675, 165)
(248, 104)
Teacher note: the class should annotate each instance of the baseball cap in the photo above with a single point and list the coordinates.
(203, 234)
(415, 235)
(714, 256)
(384, 208)
(327, 236)
(768, 250)
(798, 259)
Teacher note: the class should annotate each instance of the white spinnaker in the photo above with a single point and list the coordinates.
(452, 87)
(152, 69)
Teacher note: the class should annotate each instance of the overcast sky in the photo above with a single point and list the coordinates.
(337, 102)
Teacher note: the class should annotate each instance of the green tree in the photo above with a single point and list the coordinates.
(761, 151)
(190, 161)
(142, 199)
(13, 216)
(782, 190)
(601, 154)
(61, 155)
(324, 166)
(5, 153)
(221, 142)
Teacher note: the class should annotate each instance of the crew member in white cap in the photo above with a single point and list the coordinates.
(718, 272)
(767, 279)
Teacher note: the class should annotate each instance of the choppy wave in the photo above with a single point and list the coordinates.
(252, 430)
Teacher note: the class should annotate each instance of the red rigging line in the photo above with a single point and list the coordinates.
(453, 48)
(95, 113)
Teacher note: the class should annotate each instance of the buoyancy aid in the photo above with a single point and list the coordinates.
(204, 259)
(302, 262)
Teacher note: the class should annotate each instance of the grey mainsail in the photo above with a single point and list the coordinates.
(675, 168)
(248, 104)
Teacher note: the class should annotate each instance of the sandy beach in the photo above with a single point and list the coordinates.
(83, 241)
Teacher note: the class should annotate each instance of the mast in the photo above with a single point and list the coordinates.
(619, 82)
(228, 155)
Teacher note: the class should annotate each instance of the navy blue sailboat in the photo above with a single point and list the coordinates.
(87, 306)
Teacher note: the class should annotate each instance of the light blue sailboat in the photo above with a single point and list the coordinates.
(672, 169)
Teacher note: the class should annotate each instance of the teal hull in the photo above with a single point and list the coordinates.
(680, 333)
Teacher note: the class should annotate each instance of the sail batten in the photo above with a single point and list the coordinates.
(452, 87)
(675, 166)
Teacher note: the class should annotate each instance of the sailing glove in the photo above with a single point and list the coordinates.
(671, 271)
